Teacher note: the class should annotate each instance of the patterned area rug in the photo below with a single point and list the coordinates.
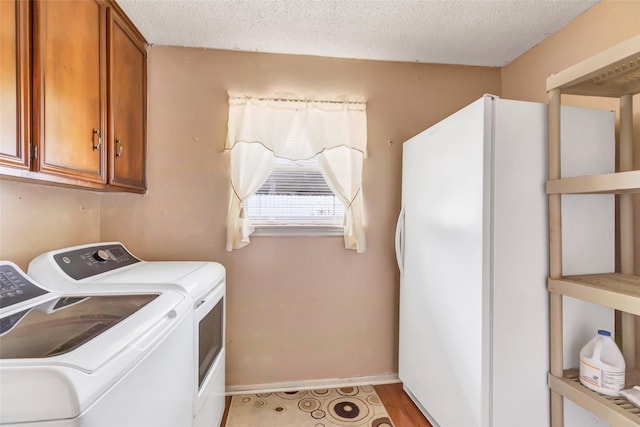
(339, 407)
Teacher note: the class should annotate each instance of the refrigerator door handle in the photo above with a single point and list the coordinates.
(400, 241)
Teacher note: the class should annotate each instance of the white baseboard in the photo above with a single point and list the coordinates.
(311, 384)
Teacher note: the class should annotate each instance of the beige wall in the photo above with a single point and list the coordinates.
(297, 308)
(36, 218)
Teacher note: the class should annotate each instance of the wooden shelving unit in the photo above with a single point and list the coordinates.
(613, 73)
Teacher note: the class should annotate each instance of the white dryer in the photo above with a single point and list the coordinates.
(92, 360)
(105, 265)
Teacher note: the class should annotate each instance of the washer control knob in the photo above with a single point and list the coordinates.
(101, 255)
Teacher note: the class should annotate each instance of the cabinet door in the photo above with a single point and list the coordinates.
(127, 107)
(70, 88)
(14, 84)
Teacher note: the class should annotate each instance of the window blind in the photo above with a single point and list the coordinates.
(295, 192)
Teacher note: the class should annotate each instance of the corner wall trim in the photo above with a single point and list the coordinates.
(311, 384)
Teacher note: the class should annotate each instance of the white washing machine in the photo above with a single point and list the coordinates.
(105, 265)
(92, 360)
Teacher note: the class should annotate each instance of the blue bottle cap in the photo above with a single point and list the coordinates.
(603, 332)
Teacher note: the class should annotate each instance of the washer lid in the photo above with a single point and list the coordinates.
(86, 333)
(63, 324)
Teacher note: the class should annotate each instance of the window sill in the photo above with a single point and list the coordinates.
(271, 230)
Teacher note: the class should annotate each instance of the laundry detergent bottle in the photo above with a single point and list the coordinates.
(602, 365)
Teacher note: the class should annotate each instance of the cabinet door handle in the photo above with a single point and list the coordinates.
(119, 144)
(96, 133)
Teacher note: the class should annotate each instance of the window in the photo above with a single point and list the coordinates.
(296, 199)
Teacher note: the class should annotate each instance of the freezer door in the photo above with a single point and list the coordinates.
(441, 292)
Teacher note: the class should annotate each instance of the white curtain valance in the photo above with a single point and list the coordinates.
(259, 130)
(297, 129)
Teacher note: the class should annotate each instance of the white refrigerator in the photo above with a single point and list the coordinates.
(472, 250)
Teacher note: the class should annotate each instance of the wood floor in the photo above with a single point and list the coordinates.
(402, 410)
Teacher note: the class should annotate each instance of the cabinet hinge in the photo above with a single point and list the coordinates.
(34, 151)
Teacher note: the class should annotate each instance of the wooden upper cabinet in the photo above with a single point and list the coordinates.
(70, 88)
(14, 84)
(73, 94)
(127, 104)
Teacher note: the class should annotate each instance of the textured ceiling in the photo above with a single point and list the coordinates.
(471, 32)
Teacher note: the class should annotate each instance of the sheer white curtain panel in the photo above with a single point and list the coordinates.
(335, 133)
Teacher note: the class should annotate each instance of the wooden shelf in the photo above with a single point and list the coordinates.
(616, 411)
(612, 73)
(621, 182)
(614, 290)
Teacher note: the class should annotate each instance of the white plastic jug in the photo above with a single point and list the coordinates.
(602, 365)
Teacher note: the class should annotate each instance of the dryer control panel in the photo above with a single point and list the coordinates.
(93, 260)
(15, 287)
